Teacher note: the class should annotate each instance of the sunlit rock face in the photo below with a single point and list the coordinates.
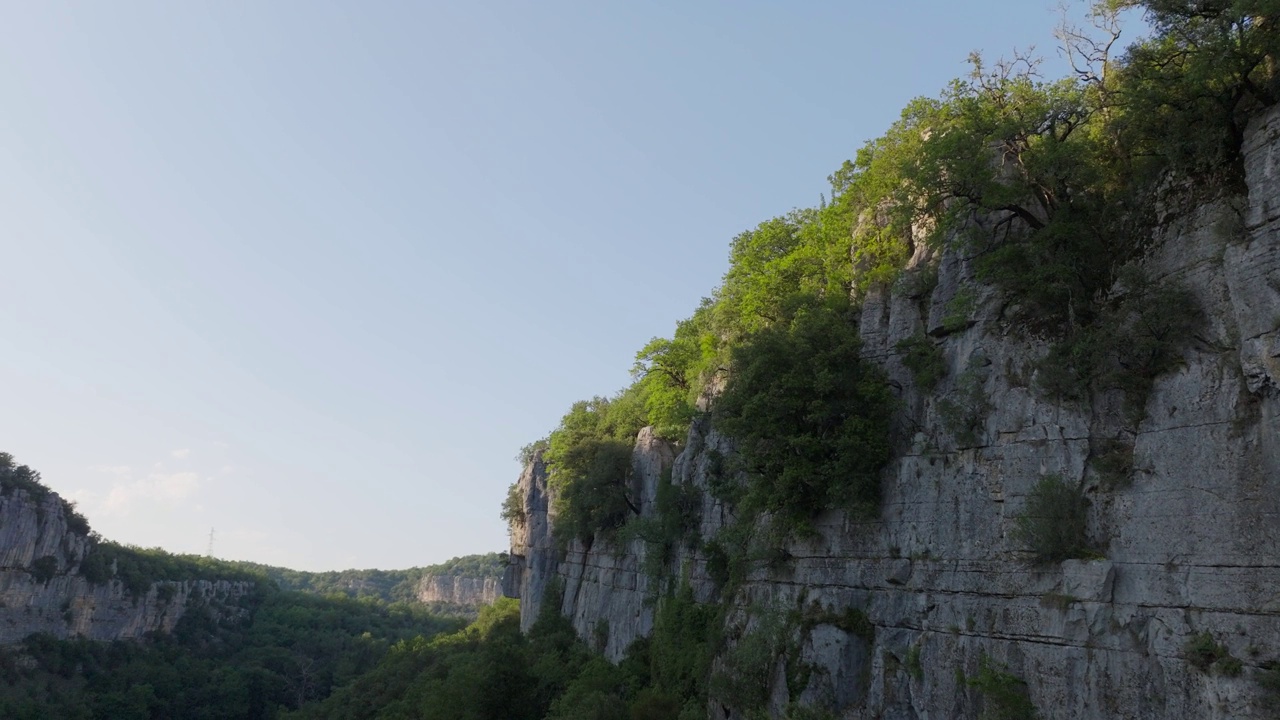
(65, 604)
(458, 590)
(1190, 546)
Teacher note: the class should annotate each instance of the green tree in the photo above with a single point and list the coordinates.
(671, 373)
(810, 416)
(1192, 87)
(589, 457)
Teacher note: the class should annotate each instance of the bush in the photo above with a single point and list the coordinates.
(675, 522)
(1126, 348)
(959, 310)
(718, 563)
(748, 667)
(851, 620)
(810, 417)
(924, 359)
(530, 451)
(914, 667)
(76, 522)
(1004, 695)
(724, 482)
(1205, 654)
(513, 506)
(1114, 464)
(44, 568)
(1052, 525)
(20, 477)
(684, 640)
(964, 411)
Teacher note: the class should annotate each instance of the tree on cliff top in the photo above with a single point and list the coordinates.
(589, 457)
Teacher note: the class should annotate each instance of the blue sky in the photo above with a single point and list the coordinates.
(311, 273)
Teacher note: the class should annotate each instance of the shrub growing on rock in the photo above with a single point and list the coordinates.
(924, 359)
(1004, 695)
(1052, 526)
(809, 415)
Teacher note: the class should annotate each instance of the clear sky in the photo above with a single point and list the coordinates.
(310, 273)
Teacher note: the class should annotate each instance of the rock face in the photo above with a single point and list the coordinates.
(602, 589)
(458, 590)
(42, 592)
(1191, 545)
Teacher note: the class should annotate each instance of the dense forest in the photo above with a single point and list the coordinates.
(491, 670)
(1053, 184)
(289, 649)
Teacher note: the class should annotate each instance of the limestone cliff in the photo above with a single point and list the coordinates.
(458, 590)
(42, 590)
(1190, 544)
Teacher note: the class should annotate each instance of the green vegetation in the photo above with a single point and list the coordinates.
(685, 638)
(1004, 695)
(1113, 461)
(960, 310)
(674, 524)
(1135, 340)
(914, 667)
(590, 460)
(278, 651)
(513, 506)
(1268, 679)
(21, 478)
(1052, 525)
(44, 568)
(810, 417)
(140, 568)
(531, 451)
(492, 671)
(851, 620)
(964, 410)
(924, 359)
(137, 568)
(389, 586)
(748, 666)
(1194, 85)
(1205, 654)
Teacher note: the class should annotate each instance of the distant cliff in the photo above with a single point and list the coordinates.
(460, 584)
(459, 590)
(56, 579)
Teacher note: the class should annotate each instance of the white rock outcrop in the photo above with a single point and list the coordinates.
(458, 590)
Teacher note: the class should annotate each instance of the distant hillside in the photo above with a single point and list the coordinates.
(395, 585)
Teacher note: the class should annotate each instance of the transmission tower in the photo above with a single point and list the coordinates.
(210, 552)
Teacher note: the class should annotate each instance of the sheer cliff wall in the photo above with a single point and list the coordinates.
(1190, 546)
(458, 590)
